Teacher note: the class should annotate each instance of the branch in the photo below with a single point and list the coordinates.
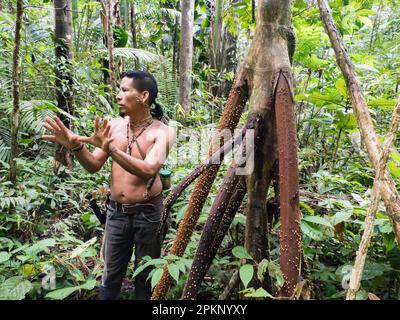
(358, 268)
(364, 120)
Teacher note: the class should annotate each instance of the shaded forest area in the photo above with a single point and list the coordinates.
(317, 81)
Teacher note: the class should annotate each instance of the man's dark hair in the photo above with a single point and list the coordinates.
(144, 81)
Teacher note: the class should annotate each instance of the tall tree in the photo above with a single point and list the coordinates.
(64, 72)
(132, 24)
(107, 22)
(266, 71)
(186, 54)
(16, 72)
(222, 49)
(270, 59)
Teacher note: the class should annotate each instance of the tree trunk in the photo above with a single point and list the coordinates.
(290, 237)
(116, 12)
(16, 93)
(133, 24)
(186, 55)
(133, 30)
(271, 55)
(361, 111)
(228, 61)
(216, 27)
(110, 43)
(106, 20)
(175, 49)
(64, 78)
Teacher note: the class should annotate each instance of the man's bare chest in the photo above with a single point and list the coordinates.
(139, 142)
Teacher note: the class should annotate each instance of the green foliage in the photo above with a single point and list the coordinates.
(14, 288)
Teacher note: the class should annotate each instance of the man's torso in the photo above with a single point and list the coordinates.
(126, 187)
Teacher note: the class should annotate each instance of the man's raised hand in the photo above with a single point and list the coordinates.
(60, 133)
(101, 137)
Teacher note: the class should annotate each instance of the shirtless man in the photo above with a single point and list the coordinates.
(138, 143)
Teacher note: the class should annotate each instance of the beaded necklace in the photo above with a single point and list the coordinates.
(143, 125)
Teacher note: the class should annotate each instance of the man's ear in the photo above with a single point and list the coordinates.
(145, 96)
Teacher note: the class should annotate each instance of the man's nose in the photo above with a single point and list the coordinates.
(118, 97)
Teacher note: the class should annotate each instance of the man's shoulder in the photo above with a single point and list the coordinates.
(162, 126)
(162, 129)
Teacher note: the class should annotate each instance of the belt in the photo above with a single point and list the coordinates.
(136, 208)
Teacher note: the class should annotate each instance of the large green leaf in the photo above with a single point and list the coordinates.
(82, 248)
(384, 103)
(341, 87)
(246, 273)
(341, 216)
(241, 253)
(156, 277)
(4, 256)
(40, 246)
(318, 220)
(373, 270)
(153, 262)
(14, 288)
(63, 293)
(394, 169)
(309, 230)
(173, 270)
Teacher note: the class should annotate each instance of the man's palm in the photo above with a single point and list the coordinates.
(60, 133)
(101, 137)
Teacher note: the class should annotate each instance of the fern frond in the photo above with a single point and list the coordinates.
(131, 53)
(156, 12)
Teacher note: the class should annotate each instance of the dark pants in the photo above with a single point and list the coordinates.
(122, 232)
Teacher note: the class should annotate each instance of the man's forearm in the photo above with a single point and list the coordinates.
(133, 165)
(87, 160)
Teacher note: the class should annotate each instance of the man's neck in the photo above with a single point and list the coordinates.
(139, 118)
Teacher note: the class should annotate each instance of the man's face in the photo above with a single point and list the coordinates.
(129, 99)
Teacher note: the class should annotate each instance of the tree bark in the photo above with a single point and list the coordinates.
(175, 49)
(64, 78)
(290, 237)
(186, 55)
(16, 73)
(390, 196)
(216, 34)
